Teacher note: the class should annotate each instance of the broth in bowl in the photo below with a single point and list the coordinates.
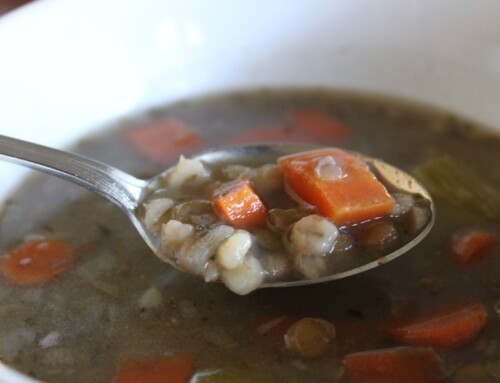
(79, 287)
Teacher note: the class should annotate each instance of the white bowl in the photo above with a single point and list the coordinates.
(68, 66)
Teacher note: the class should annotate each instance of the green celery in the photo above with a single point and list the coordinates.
(449, 180)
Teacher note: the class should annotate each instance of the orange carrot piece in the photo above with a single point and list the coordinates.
(37, 261)
(164, 140)
(395, 365)
(174, 369)
(237, 203)
(469, 246)
(303, 126)
(348, 193)
(314, 122)
(447, 330)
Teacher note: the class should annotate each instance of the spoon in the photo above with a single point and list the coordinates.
(129, 192)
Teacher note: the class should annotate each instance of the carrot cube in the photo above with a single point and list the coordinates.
(467, 247)
(338, 184)
(237, 203)
(447, 330)
(316, 123)
(37, 261)
(400, 364)
(173, 369)
(164, 140)
(303, 125)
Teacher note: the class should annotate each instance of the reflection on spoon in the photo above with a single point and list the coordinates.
(293, 245)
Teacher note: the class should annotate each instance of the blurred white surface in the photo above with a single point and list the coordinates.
(67, 66)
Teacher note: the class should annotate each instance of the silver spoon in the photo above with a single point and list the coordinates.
(129, 192)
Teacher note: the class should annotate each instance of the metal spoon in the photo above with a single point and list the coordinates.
(128, 192)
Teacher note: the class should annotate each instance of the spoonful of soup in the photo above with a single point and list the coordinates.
(266, 215)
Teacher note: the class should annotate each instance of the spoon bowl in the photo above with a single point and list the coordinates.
(129, 192)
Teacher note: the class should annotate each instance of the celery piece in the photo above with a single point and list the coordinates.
(234, 376)
(449, 180)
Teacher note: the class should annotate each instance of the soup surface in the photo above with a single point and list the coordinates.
(106, 306)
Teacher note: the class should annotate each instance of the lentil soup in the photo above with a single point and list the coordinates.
(282, 218)
(82, 298)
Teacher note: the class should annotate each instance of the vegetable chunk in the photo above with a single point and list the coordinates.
(312, 238)
(447, 330)
(338, 184)
(468, 246)
(316, 122)
(303, 125)
(237, 203)
(36, 262)
(245, 278)
(395, 365)
(177, 369)
(453, 182)
(310, 338)
(163, 140)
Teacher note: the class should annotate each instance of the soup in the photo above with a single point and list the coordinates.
(108, 303)
(305, 215)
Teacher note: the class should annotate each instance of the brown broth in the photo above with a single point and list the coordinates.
(94, 309)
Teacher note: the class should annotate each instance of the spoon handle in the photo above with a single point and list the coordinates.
(115, 185)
